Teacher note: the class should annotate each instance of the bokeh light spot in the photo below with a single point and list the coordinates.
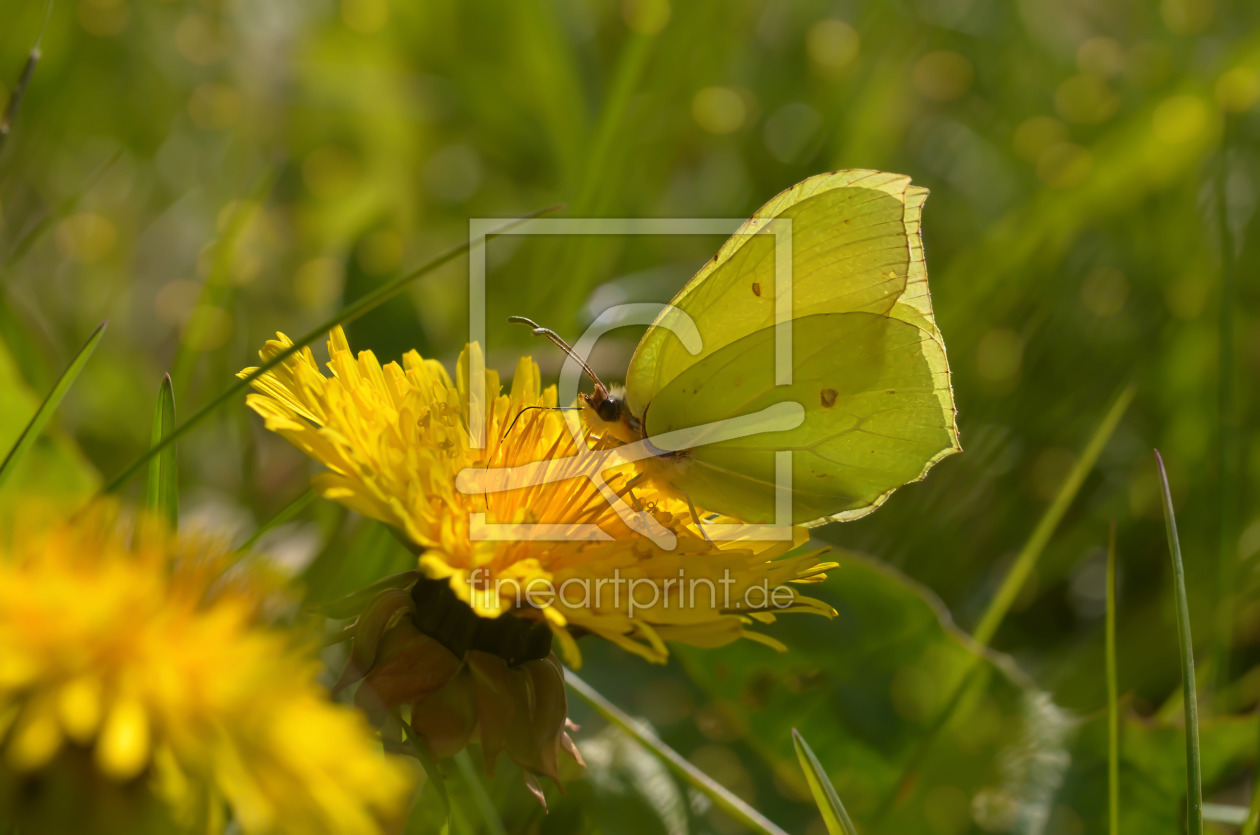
(647, 17)
(1187, 295)
(833, 47)
(791, 130)
(103, 18)
(1186, 17)
(1101, 56)
(453, 173)
(1064, 165)
(999, 355)
(1034, 135)
(214, 106)
(365, 16)
(1085, 100)
(1150, 64)
(719, 110)
(208, 328)
(1238, 89)
(715, 725)
(318, 282)
(379, 252)
(86, 237)
(943, 75)
(200, 40)
(330, 171)
(1180, 119)
(1104, 291)
(175, 300)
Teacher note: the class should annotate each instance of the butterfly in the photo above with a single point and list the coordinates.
(815, 313)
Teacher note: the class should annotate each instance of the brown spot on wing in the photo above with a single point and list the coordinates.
(828, 398)
(756, 289)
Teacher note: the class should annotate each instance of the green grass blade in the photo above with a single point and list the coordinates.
(1194, 776)
(694, 777)
(348, 314)
(833, 811)
(1015, 579)
(481, 798)
(286, 513)
(1011, 586)
(1113, 699)
(1252, 824)
(49, 220)
(218, 286)
(429, 765)
(162, 495)
(15, 98)
(50, 404)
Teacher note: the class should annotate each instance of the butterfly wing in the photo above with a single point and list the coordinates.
(878, 413)
(854, 247)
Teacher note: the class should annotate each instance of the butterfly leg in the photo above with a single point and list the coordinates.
(629, 487)
(696, 517)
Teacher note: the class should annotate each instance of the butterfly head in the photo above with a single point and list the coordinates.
(605, 413)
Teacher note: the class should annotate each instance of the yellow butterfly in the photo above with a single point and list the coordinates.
(865, 373)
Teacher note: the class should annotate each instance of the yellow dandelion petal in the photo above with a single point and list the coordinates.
(122, 750)
(35, 738)
(80, 707)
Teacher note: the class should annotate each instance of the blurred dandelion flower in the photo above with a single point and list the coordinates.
(466, 640)
(141, 690)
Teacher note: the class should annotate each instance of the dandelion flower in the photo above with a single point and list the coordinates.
(142, 690)
(395, 440)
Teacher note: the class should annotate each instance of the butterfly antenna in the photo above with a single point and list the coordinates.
(511, 425)
(539, 330)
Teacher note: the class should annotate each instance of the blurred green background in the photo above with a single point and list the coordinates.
(203, 174)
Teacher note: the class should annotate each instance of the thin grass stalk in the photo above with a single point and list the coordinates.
(1113, 690)
(349, 314)
(46, 409)
(1024, 563)
(481, 798)
(1194, 775)
(675, 762)
(162, 493)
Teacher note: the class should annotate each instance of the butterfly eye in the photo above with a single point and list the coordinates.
(609, 410)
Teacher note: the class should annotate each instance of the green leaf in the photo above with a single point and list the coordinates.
(833, 811)
(162, 495)
(45, 411)
(867, 686)
(1194, 769)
